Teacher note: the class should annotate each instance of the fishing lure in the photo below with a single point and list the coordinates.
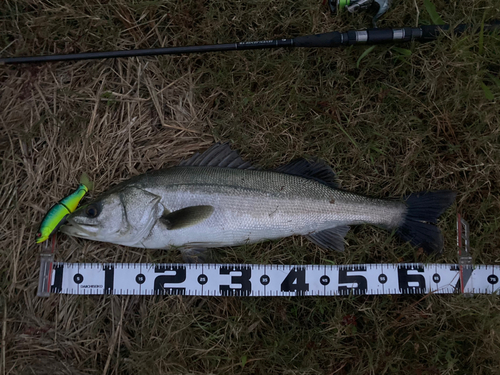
(54, 218)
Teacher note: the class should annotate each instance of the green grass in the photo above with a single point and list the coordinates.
(399, 121)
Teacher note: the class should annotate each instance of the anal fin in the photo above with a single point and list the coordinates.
(330, 239)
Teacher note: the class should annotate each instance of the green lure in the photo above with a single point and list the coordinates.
(64, 207)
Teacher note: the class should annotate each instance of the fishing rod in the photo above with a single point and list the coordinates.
(331, 39)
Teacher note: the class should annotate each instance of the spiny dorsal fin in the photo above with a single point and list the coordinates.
(186, 217)
(316, 170)
(330, 239)
(219, 155)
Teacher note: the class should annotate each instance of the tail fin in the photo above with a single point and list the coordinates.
(419, 226)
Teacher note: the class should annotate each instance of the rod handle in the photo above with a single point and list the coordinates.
(352, 37)
(379, 36)
(331, 39)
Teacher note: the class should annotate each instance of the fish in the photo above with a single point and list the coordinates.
(216, 199)
(57, 213)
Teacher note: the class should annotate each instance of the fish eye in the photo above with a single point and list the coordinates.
(91, 211)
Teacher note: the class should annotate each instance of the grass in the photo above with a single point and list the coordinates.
(398, 123)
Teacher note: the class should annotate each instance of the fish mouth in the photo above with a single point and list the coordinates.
(79, 230)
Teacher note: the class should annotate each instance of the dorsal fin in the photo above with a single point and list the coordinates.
(316, 170)
(219, 155)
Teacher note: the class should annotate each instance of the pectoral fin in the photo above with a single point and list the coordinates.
(186, 217)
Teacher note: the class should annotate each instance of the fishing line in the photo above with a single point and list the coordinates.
(193, 279)
(331, 39)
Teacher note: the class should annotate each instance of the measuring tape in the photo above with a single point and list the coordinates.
(270, 280)
(267, 280)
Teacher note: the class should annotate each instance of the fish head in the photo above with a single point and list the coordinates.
(123, 217)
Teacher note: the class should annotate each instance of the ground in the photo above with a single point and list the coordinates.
(400, 119)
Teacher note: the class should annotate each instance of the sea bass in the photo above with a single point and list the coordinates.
(216, 199)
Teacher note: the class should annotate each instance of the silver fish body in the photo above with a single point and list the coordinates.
(212, 206)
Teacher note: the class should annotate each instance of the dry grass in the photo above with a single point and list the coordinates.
(396, 124)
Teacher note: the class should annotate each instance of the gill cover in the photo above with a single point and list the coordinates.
(122, 217)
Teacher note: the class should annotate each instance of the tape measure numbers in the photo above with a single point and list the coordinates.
(267, 280)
